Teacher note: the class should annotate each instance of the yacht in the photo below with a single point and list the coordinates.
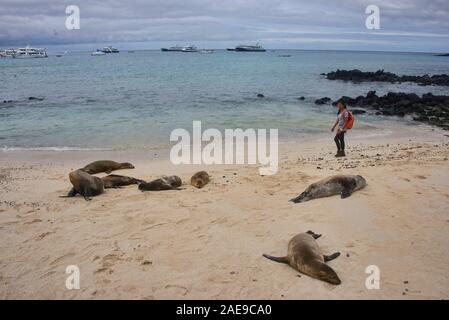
(189, 49)
(28, 52)
(250, 48)
(173, 49)
(110, 50)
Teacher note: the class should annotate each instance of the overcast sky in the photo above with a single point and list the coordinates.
(405, 25)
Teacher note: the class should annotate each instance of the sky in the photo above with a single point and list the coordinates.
(405, 25)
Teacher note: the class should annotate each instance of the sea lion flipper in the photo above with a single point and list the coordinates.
(277, 259)
(331, 257)
(346, 192)
(72, 192)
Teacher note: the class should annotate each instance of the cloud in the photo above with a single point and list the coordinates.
(273, 22)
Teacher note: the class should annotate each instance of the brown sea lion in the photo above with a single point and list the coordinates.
(85, 184)
(116, 181)
(200, 179)
(106, 166)
(344, 185)
(164, 183)
(305, 255)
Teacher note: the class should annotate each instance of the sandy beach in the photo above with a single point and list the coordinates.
(208, 243)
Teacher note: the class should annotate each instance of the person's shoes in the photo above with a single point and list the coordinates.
(340, 153)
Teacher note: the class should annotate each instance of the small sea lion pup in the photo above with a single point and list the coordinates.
(344, 185)
(164, 183)
(106, 166)
(85, 184)
(200, 179)
(116, 181)
(305, 255)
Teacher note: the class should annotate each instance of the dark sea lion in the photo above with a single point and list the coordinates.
(164, 183)
(85, 184)
(305, 255)
(106, 166)
(115, 181)
(344, 185)
(200, 179)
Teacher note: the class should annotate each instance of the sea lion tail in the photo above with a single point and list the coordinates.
(277, 259)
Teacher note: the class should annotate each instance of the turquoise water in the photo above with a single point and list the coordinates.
(134, 100)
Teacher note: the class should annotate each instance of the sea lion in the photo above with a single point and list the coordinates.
(164, 183)
(305, 255)
(106, 166)
(115, 181)
(344, 185)
(85, 184)
(200, 179)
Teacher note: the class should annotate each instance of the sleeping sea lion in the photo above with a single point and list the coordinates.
(106, 166)
(164, 183)
(115, 181)
(344, 185)
(85, 184)
(305, 255)
(200, 179)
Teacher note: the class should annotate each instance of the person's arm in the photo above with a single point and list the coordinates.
(335, 124)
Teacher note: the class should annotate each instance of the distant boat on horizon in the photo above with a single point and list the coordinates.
(110, 49)
(248, 48)
(98, 53)
(29, 52)
(173, 49)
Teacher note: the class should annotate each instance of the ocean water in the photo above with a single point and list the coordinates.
(135, 100)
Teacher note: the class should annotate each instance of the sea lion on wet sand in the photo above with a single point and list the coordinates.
(116, 181)
(85, 184)
(200, 179)
(164, 183)
(305, 255)
(344, 185)
(106, 166)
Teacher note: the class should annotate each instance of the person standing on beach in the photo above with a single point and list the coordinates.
(342, 119)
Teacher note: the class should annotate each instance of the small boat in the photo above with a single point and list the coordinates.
(207, 51)
(189, 49)
(110, 50)
(58, 55)
(28, 52)
(250, 48)
(173, 49)
(98, 53)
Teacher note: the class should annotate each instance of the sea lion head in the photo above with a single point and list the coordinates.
(301, 198)
(126, 165)
(326, 273)
(174, 181)
(198, 182)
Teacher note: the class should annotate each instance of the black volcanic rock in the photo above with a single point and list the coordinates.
(429, 108)
(259, 95)
(324, 100)
(382, 76)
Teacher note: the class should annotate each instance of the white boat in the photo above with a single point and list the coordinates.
(189, 49)
(28, 52)
(207, 51)
(98, 53)
(250, 48)
(110, 50)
